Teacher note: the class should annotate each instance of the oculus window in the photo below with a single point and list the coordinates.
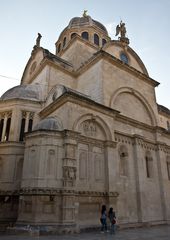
(124, 58)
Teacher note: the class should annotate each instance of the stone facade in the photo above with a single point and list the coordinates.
(83, 129)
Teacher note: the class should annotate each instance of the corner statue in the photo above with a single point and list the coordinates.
(121, 29)
(38, 40)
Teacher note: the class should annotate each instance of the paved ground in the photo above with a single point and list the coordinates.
(150, 233)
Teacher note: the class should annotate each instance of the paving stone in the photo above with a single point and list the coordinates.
(150, 233)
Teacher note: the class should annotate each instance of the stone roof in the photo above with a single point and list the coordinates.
(49, 123)
(86, 21)
(55, 58)
(30, 92)
(163, 109)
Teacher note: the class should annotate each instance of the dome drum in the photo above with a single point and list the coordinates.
(86, 27)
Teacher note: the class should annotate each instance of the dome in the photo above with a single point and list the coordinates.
(30, 92)
(49, 123)
(85, 22)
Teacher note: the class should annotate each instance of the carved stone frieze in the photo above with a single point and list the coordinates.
(24, 114)
(7, 114)
(123, 139)
(89, 128)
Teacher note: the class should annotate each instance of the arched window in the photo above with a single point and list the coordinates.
(103, 42)
(7, 129)
(123, 158)
(96, 39)
(21, 137)
(30, 125)
(59, 47)
(1, 128)
(64, 42)
(73, 35)
(149, 165)
(85, 35)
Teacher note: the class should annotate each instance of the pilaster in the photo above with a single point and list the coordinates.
(69, 177)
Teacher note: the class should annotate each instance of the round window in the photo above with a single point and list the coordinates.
(124, 58)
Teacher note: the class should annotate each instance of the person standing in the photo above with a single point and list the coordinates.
(103, 219)
(112, 218)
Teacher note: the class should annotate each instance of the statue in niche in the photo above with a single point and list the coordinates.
(69, 173)
(72, 174)
(66, 173)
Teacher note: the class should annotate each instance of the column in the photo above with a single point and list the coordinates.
(26, 121)
(4, 127)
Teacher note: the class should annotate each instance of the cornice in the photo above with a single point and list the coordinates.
(141, 125)
(79, 100)
(12, 144)
(135, 123)
(16, 101)
(142, 141)
(52, 191)
(113, 60)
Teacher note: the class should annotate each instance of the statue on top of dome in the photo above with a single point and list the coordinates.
(85, 13)
(121, 29)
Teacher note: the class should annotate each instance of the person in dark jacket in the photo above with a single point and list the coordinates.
(112, 218)
(103, 219)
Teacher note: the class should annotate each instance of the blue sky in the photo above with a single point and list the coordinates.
(147, 24)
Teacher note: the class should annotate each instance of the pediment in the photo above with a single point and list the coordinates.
(33, 65)
(126, 55)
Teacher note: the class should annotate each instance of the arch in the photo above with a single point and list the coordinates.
(139, 97)
(103, 41)
(59, 47)
(73, 35)
(96, 39)
(123, 150)
(96, 119)
(85, 35)
(131, 53)
(64, 42)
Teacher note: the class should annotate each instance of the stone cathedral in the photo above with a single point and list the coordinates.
(81, 130)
